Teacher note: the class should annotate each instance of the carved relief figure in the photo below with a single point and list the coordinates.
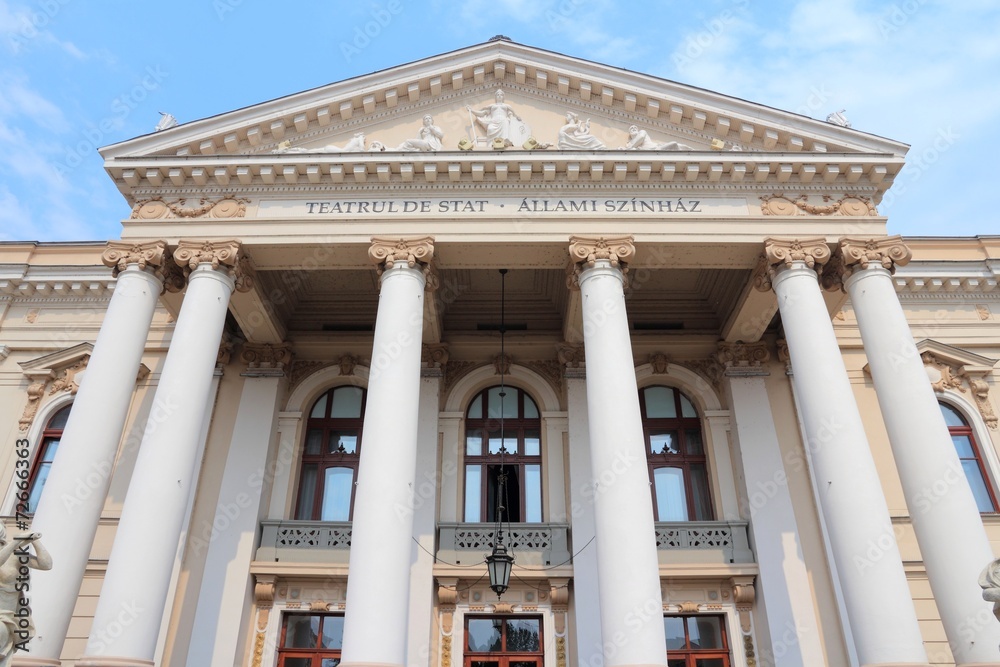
(355, 145)
(428, 139)
(10, 563)
(575, 135)
(500, 121)
(989, 581)
(639, 140)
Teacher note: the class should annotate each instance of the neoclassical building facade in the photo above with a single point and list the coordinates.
(736, 422)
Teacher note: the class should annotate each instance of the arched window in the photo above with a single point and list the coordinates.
(675, 453)
(972, 460)
(520, 450)
(45, 455)
(330, 456)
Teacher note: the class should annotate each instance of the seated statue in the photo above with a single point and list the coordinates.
(639, 140)
(428, 139)
(575, 135)
(498, 120)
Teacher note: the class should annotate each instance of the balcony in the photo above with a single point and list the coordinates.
(538, 544)
(703, 542)
(305, 541)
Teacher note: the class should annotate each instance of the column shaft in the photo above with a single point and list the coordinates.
(876, 594)
(77, 485)
(127, 620)
(627, 564)
(946, 520)
(378, 583)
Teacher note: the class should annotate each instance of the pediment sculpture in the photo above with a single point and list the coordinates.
(499, 121)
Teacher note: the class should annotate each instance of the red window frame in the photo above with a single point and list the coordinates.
(977, 455)
(503, 657)
(43, 457)
(316, 654)
(692, 657)
(326, 426)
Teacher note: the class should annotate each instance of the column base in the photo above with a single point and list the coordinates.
(31, 661)
(113, 661)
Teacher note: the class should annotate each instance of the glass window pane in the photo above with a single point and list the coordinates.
(343, 442)
(677, 662)
(485, 663)
(302, 631)
(699, 489)
(484, 634)
(660, 403)
(524, 663)
(329, 662)
(533, 493)
(522, 635)
(952, 417)
(476, 409)
(509, 442)
(297, 662)
(307, 492)
(49, 450)
(333, 632)
(532, 442)
(58, 421)
(346, 403)
(474, 443)
(963, 446)
(314, 442)
(671, 501)
(705, 632)
(687, 410)
(337, 494)
(979, 490)
(710, 662)
(509, 403)
(673, 626)
(692, 439)
(530, 409)
(38, 485)
(664, 442)
(473, 491)
(319, 409)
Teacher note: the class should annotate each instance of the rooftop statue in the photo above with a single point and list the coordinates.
(428, 138)
(500, 121)
(639, 140)
(10, 564)
(575, 135)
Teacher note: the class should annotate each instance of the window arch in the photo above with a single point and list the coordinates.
(675, 454)
(971, 458)
(45, 455)
(521, 450)
(331, 454)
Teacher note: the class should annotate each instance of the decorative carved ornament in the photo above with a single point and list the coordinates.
(225, 352)
(850, 205)
(66, 379)
(710, 369)
(944, 376)
(263, 593)
(35, 392)
(887, 252)
(743, 355)
(266, 355)
(435, 355)
(947, 375)
(220, 254)
(501, 364)
(587, 250)
(659, 362)
(347, 363)
(453, 372)
(785, 252)
(385, 252)
(119, 255)
(550, 369)
(571, 355)
(157, 207)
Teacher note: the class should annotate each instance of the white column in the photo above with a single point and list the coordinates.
(133, 597)
(430, 475)
(628, 571)
(786, 592)
(586, 598)
(66, 517)
(871, 572)
(226, 586)
(946, 520)
(378, 583)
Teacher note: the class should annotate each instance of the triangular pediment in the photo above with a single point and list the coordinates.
(541, 87)
(47, 366)
(963, 360)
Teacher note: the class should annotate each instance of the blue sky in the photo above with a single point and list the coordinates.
(76, 75)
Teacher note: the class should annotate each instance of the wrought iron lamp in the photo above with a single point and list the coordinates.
(500, 562)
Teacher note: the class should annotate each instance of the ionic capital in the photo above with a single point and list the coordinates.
(887, 252)
(222, 255)
(386, 252)
(587, 250)
(266, 358)
(783, 253)
(153, 255)
(743, 358)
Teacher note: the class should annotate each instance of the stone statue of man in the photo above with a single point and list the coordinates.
(11, 574)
